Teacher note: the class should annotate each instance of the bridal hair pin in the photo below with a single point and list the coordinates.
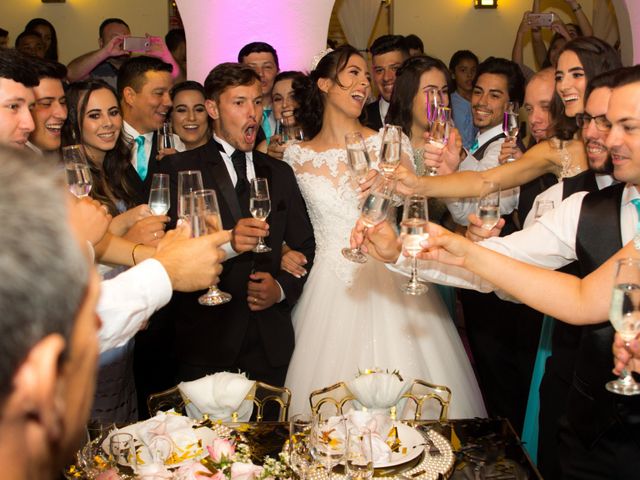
(319, 56)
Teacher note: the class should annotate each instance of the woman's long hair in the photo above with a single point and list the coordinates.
(596, 57)
(52, 51)
(406, 87)
(109, 180)
(309, 97)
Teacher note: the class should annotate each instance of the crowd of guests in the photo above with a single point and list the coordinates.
(541, 363)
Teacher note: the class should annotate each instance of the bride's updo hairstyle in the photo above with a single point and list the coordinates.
(596, 57)
(309, 97)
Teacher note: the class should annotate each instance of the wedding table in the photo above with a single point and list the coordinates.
(483, 448)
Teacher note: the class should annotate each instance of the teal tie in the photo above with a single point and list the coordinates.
(141, 159)
(636, 239)
(474, 147)
(266, 126)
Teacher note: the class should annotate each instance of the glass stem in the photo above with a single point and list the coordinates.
(414, 271)
(364, 234)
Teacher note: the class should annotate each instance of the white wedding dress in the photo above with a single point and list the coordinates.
(352, 316)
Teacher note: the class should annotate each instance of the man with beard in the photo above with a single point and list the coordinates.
(252, 332)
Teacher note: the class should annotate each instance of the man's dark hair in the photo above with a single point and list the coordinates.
(604, 80)
(18, 67)
(507, 68)
(389, 43)
(109, 21)
(626, 75)
(186, 85)
(414, 42)
(174, 38)
(132, 72)
(49, 69)
(227, 75)
(257, 47)
(26, 34)
(4, 33)
(461, 55)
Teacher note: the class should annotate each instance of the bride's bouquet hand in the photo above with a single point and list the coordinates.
(380, 241)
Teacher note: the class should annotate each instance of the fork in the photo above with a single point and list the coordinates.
(433, 449)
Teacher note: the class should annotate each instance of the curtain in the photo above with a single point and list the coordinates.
(358, 17)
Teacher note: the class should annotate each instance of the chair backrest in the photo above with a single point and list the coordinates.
(334, 400)
(166, 400)
(262, 395)
(422, 392)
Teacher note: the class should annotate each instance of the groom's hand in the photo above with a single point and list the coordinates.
(262, 291)
(244, 236)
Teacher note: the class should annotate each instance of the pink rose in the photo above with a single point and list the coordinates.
(111, 474)
(196, 471)
(221, 449)
(245, 471)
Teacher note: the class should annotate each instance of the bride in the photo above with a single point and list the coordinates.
(353, 316)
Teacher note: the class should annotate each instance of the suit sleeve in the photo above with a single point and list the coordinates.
(299, 237)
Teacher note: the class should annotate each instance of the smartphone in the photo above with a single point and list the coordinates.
(540, 19)
(136, 44)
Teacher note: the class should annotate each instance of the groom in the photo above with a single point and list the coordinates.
(252, 332)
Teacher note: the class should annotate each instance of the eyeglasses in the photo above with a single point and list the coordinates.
(583, 120)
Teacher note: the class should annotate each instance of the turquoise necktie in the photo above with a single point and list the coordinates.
(474, 147)
(636, 238)
(266, 126)
(141, 159)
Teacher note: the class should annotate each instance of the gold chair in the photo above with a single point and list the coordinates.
(262, 394)
(421, 392)
(333, 400)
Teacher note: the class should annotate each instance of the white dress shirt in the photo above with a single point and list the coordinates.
(383, 108)
(460, 208)
(131, 135)
(554, 194)
(548, 243)
(127, 301)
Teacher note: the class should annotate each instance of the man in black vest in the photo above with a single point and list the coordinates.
(387, 54)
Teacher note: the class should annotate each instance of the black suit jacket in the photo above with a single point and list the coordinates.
(213, 336)
(373, 120)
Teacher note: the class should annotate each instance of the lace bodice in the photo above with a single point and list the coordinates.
(331, 199)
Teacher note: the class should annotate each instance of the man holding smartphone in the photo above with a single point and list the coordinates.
(116, 46)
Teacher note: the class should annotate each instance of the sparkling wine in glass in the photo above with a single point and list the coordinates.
(188, 182)
(414, 230)
(293, 134)
(374, 210)
(77, 170)
(510, 125)
(439, 131)
(165, 136)
(204, 215)
(359, 454)
(260, 207)
(328, 442)
(159, 198)
(624, 315)
(300, 459)
(390, 150)
(489, 205)
(357, 156)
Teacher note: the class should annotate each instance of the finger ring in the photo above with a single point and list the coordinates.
(155, 235)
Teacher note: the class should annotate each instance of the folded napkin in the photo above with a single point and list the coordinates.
(379, 424)
(169, 439)
(378, 390)
(219, 396)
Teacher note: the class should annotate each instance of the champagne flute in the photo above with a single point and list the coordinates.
(159, 198)
(542, 207)
(188, 182)
(300, 459)
(77, 170)
(624, 315)
(489, 205)
(390, 150)
(357, 156)
(205, 218)
(165, 136)
(328, 441)
(260, 207)
(433, 101)
(415, 226)
(359, 454)
(293, 134)
(374, 210)
(510, 125)
(439, 132)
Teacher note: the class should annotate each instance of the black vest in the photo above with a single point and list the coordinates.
(591, 409)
